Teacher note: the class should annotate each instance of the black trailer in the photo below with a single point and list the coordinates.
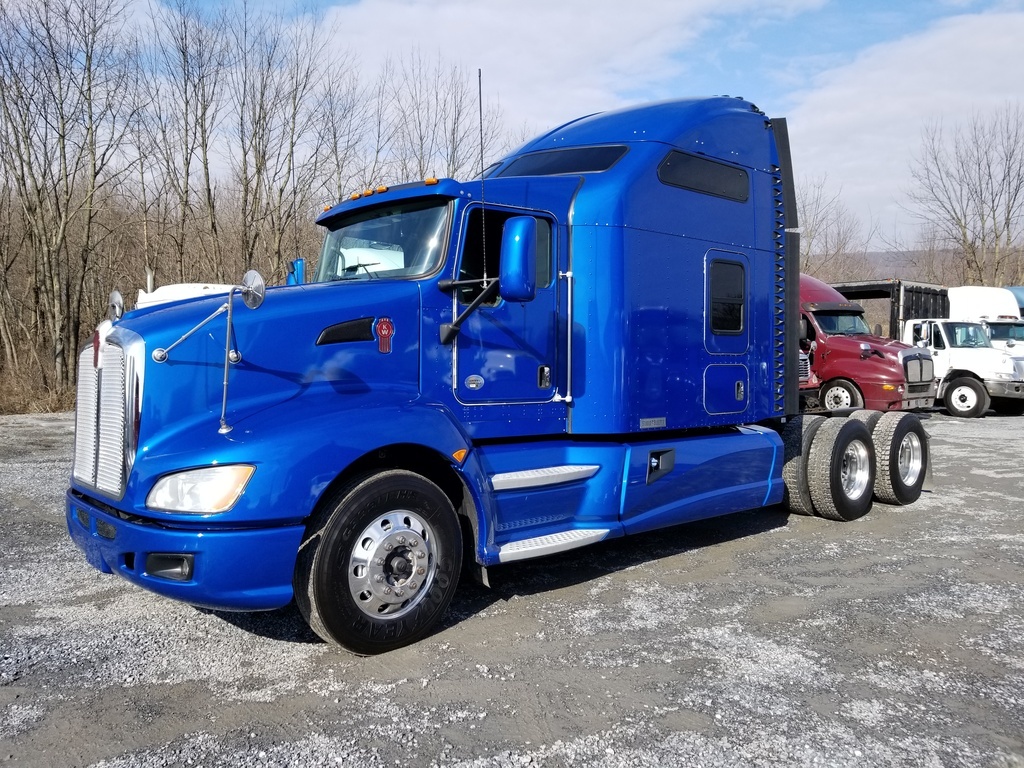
(908, 300)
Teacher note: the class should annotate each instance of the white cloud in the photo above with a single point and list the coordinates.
(861, 123)
(547, 62)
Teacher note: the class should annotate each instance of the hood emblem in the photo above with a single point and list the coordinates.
(384, 329)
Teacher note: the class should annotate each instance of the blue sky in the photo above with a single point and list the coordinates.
(858, 80)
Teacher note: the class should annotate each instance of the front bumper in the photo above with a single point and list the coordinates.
(233, 570)
(1005, 388)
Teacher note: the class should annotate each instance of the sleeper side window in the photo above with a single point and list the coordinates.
(728, 297)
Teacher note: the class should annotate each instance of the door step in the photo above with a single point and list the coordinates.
(547, 545)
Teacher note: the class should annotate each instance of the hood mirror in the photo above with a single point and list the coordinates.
(253, 289)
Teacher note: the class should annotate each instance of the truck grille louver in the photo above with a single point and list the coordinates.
(101, 421)
(918, 369)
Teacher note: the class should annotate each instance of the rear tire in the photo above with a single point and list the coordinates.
(869, 418)
(966, 397)
(379, 563)
(903, 455)
(841, 469)
(796, 441)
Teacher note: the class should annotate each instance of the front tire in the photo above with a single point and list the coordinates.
(966, 397)
(840, 394)
(379, 563)
(841, 469)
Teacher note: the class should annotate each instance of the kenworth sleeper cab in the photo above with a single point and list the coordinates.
(597, 338)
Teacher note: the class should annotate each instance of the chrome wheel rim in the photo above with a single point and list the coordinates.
(911, 459)
(392, 564)
(855, 472)
(837, 397)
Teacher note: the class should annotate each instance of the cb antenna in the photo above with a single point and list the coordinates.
(483, 211)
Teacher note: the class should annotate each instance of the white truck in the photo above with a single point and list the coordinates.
(972, 375)
(995, 308)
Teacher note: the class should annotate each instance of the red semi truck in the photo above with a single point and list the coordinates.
(850, 367)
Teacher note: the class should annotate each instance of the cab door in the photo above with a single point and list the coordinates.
(505, 352)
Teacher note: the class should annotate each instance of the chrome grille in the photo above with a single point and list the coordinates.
(101, 421)
(85, 419)
(918, 368)
(805, 366)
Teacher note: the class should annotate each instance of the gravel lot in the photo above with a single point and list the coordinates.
(759, 639)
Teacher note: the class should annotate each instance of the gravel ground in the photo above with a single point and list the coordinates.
(760, 639)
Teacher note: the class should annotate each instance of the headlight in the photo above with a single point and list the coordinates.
(200, 491)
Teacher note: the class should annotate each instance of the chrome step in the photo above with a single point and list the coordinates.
(548, 545)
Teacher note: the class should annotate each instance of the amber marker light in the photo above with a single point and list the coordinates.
(430, 182)
(460, 455)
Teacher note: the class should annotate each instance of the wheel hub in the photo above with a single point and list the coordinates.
(965, 398)
(911, 459)
(392, 563)
(855, 471)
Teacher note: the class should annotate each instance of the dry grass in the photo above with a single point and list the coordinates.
(20, 394)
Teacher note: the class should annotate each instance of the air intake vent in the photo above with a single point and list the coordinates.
(101, 421)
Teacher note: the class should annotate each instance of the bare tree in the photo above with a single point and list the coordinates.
(439, 123)
(274, 80)
(342, 108)
(833, 245)
(182, 79)
(66, 107)
(969, 191)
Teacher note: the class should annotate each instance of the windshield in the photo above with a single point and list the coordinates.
(966, 335)
(403, 240)
(1006, 331)
(842, 323)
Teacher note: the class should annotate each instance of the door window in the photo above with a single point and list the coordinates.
(481, 252)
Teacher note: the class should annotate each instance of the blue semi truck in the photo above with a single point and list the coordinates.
(597, 337)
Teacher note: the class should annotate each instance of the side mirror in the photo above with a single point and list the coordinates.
(877, 330)
(865, 350)
(518, 273)
(803, 327)
(253, 289)
(296, 272)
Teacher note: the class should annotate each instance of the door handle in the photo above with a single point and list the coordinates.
(544, 377)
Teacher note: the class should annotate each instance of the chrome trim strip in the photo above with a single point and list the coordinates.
(538, 478)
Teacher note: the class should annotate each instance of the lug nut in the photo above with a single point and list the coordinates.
(401, 539)
(387, 590)
(421, 554)
(421, 570)
(388, 547)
